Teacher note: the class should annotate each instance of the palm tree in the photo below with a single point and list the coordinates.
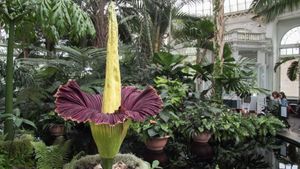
(270, 9)
(198, 33)
(151, 21)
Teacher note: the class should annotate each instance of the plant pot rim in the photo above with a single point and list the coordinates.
(164, 137)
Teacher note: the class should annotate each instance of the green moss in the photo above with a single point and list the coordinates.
(90, 161)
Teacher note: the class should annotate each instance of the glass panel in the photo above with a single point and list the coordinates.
(226, 6)
(295, 51)
(204, 7)
(289, 51)
(233, 5)
(248, 3)
(282, 51)
(291, 37)
(241, 5)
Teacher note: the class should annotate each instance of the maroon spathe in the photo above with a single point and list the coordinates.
(73, 104)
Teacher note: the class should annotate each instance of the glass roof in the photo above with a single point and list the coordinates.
(204, 8)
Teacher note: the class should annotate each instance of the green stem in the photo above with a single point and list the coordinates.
(8, 124)
(107, 163)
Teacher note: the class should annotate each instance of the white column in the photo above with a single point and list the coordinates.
(235, 53)
(261, 60)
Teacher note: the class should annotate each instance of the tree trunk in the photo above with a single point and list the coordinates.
(50, 46)
(100, 22)
(219, 22)
(26, 52)
(299, 82)
(8, 124)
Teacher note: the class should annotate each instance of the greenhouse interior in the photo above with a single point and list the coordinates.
(149, 84)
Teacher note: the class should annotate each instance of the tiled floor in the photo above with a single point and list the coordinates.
(292, 134)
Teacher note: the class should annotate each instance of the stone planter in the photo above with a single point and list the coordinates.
(202, 137)
(157, 143)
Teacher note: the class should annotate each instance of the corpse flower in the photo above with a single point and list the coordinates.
(109, 114)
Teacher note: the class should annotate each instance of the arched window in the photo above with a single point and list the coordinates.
(290, 42)
(289, 46)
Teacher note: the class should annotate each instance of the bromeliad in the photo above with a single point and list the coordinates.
(109, 115)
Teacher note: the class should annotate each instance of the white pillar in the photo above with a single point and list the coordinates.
(261, 61)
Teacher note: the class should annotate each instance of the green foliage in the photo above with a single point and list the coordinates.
(51, 157)
(267, 125)
(16, 153)
(172, 93)
(169, 65)
(155, 164)
(292, 71)
(17, 120)
(62, 17)
(232, 126)
(200, 116)
(282, 61)
(195, 32)
(237, 76)
(270, 9)
(91, 161)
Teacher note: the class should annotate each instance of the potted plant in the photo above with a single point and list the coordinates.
(200, 121)
(54, 124)
(157, 130)
(199, 127)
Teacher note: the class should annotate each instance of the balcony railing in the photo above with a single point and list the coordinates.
(239, 36)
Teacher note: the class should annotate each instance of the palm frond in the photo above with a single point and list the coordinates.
(282, 61)
(270, 9)
(292, 71)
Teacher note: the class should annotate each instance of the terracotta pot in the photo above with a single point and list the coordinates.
(57, 129)
(202, 137)
(157, 143)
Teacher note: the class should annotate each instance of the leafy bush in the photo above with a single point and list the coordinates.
(268, 125)
(235, 126)
(172, 93)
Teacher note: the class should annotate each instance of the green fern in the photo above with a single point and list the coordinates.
(51, 157)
